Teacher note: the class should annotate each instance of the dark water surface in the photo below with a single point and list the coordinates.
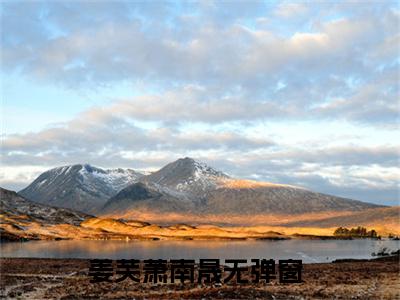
(308, 250)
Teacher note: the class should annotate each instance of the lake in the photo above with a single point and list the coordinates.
(310, 251)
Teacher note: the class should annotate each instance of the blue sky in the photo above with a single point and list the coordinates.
(304, 93)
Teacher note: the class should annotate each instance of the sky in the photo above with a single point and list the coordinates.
(302, 93)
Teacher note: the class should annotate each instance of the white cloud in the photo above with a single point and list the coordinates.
(223, 82)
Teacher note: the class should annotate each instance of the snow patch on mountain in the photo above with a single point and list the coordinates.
(116, 179)
(203, 177)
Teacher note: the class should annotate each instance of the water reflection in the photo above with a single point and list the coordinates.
(308, 250)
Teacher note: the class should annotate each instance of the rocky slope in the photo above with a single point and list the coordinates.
(21, 218)
(13, 205)
(80, 187)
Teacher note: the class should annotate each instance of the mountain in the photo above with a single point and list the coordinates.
(185, 179)
(79, 187)
(141, 198)
(188, 190)
(183, 185)
(187, 176)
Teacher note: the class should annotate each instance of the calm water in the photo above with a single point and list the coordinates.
(307, 250)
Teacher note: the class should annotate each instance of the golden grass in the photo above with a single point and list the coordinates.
(384, 220)
(239, 220)
(169, 226)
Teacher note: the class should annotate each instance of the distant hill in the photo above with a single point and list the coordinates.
(80, 187)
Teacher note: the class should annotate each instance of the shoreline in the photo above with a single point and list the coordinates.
(169, 238)
(6, 237)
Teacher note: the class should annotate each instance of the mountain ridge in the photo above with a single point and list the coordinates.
(184, 186)
(192, 188)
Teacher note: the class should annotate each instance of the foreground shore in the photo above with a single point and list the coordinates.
(29, 278)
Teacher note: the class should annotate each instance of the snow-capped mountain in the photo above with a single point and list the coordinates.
(187, 187)
(184, 187)
(186, 177)
(184, 184)
(186, 172)
(80, 187)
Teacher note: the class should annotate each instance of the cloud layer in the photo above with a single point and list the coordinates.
(235, 84)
